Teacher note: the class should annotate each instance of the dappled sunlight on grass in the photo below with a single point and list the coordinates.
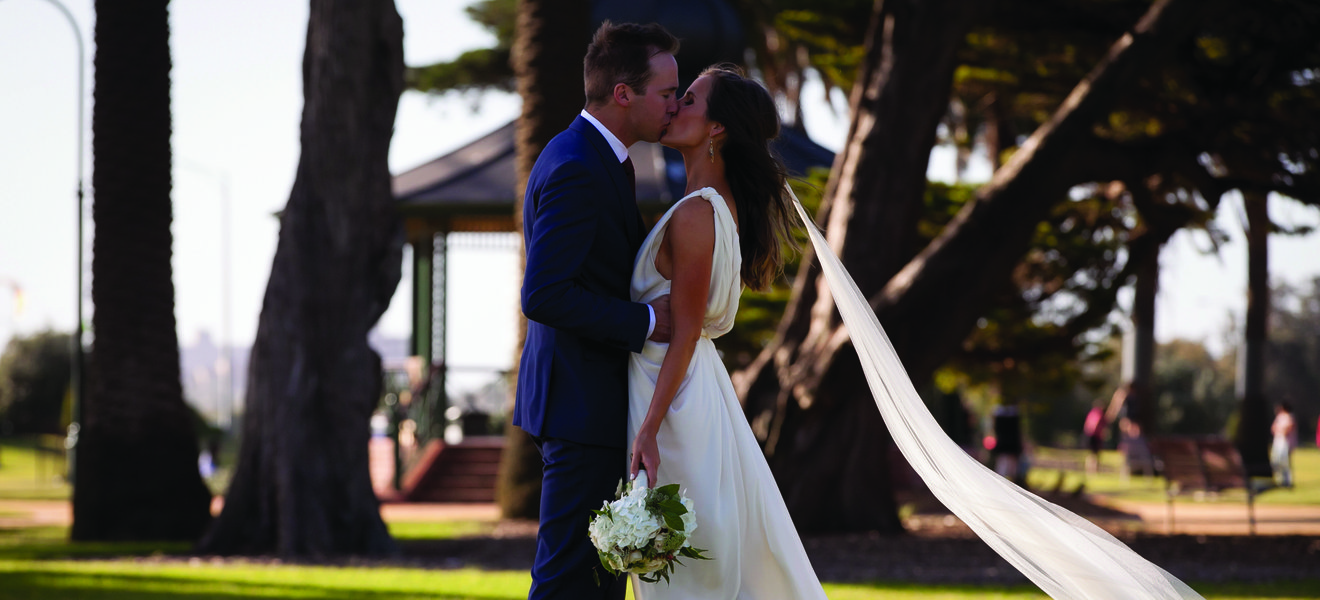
(912, 591)
(121, 580)
(38, 562)
(50, 543)
(439, 530)
(1289, 590)
(1109, 482)
(129, 579)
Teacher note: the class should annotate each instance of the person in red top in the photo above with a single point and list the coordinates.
(1094, 430)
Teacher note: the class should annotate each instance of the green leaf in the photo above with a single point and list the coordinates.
(693, 552)
(674, 522)
(668, 490)
(604, 562)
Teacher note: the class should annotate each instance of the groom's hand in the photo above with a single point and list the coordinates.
(662, 321)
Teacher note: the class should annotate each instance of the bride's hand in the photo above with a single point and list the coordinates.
(645, 456)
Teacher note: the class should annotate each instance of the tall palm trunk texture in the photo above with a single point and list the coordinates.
(136, 475)
(548, 48)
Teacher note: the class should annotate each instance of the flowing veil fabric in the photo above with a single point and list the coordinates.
(1066, 555)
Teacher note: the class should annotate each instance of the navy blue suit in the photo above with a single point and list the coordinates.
(582, 230)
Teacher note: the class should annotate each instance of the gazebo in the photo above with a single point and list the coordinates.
(472, 190)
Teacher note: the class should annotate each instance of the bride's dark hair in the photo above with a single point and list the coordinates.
(755, 173)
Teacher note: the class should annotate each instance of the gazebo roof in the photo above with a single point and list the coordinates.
(472, 188)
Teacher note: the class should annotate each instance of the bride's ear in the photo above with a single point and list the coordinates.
(716, 129)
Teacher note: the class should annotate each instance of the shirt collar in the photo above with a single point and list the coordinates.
(620, 150)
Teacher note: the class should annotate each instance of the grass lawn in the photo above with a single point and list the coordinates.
(26, 474)
(38, 563)
(438, 530)
(1108, 482)
(125, 579)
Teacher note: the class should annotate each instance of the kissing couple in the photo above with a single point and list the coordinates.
(618, 372)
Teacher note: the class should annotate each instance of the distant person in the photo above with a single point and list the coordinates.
(1007, 452)
(1284, 429)
(1094, 430)
(1136, 451)
(205, 463)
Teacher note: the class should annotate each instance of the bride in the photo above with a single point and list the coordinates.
(686, 426)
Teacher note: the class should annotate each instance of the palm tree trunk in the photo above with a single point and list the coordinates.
(302, 486)
(549, 45)
(136, 477)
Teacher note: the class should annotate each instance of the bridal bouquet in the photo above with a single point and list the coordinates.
(644, 530)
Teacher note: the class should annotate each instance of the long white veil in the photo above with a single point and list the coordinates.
(1064, 554)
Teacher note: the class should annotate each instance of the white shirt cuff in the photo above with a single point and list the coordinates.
(651, 328)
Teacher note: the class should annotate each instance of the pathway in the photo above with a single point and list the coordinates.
(1190, 517)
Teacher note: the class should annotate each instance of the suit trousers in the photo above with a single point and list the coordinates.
(575, 480)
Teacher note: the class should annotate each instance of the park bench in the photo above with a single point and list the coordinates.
(1202, 464)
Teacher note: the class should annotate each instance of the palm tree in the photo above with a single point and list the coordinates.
(550, 41)
(136, 477)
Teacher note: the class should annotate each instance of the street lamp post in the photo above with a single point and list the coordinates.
(77, 367)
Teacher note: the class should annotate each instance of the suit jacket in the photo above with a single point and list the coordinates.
(582, 231)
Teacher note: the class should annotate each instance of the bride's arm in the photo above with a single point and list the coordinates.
(690, 239)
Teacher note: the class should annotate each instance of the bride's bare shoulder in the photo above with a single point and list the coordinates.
(693, 215)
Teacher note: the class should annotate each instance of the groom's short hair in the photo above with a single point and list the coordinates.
(622, 54)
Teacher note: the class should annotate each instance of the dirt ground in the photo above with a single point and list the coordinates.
(946, 555)
(937, 547)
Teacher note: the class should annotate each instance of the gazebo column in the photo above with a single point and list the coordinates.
(439, 326)
(430, 273)
(423, 250)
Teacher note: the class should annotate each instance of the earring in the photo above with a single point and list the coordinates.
(712, 149)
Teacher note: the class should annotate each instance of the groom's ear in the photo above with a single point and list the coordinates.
(622, 94)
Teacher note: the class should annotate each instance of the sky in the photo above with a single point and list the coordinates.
(237, 101)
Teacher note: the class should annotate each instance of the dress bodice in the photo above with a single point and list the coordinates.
(726, 266)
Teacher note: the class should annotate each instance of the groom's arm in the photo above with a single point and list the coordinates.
(563, 226)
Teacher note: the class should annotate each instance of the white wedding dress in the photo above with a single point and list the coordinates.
(708, 448)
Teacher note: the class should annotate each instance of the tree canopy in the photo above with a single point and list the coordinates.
(480, 69)
(34, 383)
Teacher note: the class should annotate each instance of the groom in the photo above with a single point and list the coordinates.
(582, 229)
